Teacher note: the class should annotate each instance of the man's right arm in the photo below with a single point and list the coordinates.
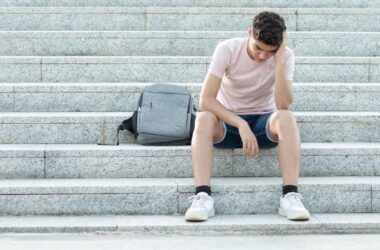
(208, 102)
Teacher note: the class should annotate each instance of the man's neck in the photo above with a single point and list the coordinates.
(249, 51)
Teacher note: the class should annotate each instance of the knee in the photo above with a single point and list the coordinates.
(205, 123)
(285, 118)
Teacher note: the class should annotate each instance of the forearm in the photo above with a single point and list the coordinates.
(214, 106)
(283, 91)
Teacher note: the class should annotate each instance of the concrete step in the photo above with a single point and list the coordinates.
(116, 240)
(120, 97)
(192, 3)
(174, 43)
(183, 18)
(171, 69)
(136, 161)
(163, 225)
(99, 127)
(169, 196)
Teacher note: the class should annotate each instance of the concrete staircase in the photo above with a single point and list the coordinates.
(71, 70)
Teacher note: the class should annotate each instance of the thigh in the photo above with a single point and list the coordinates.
(259, 125)
(231, 138)
(207, 121)
(260, 128)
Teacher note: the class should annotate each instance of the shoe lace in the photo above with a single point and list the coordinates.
(197, 200)
(296, 199)
(191, 198)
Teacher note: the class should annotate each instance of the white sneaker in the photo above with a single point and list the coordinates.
(291, 207)
(201, 209)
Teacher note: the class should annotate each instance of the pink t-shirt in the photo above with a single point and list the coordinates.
(247, 86)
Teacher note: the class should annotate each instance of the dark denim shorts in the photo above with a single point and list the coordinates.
(259, 125)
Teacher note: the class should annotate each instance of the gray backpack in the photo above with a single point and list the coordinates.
(164, 115)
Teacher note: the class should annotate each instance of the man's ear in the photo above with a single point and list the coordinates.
(249, 32)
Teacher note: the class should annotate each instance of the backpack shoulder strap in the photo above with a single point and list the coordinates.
(126, 124)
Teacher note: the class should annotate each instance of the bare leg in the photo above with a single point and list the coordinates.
(282, 125)
(207, 129)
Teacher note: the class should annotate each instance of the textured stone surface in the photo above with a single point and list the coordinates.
(175, 43)
(376, 202)
(22, 168)
(169, 196)
(110, 167)
(145, 3)
(22, 3)
(160, 72)
(121, 97)
(182, 18)
(170, 69)
(87, 204)
(334, 21)
(374, 73)
(349, 222)
(311, 165)
(7, 102)
(188, 242)
(215, 21)
(238, 202)
(339, 132)
(75, 102)
(375, 193)
(327, 201)
(238, 3)
(49, 133)
(87, 186)
(118, 18)
(22, 151)
(261, 195)
(215, 3)
(222, 224)
(326, 64)
(101, 128)
(312, 44)
(331, 149)
(328, 73)
(359, 4)
(72, 20)
(126, 161)
(96, 196)
(20, 72)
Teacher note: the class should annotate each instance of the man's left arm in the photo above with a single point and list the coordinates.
(283, 87)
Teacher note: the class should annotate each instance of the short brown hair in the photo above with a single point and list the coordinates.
(268, 27)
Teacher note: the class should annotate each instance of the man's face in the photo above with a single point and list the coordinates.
(259, 50)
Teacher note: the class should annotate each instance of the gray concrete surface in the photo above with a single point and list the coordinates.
(113, 242)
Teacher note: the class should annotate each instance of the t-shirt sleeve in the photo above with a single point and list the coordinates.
(289, 65)
(220, 60)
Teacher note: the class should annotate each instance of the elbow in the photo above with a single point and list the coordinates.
(283, 105)
(202, 104)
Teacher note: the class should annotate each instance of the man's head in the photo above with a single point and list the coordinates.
(265, 35)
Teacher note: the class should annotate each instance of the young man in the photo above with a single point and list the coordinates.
(245, 103)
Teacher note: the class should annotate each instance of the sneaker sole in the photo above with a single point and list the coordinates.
(198, 216)
(294, 216)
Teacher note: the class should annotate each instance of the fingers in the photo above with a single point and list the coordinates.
(249, 141)
(255, 148)
(248, 147)
(284, 38)
(251, 148)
